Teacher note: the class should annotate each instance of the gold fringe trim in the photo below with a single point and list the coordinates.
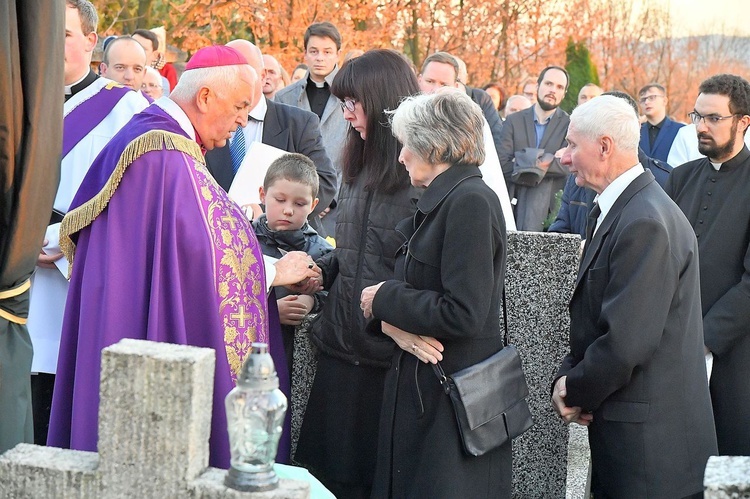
(18, 290)
(81, 217)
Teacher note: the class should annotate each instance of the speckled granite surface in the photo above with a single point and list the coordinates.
(540, 276)
(727, 477)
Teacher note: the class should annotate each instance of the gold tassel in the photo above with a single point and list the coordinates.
(155, 140)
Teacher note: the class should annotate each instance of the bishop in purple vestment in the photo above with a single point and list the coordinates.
(159, 252)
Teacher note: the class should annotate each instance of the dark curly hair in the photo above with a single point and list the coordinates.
(733, 86)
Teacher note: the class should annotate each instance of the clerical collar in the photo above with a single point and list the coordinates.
(319, 85)
(739, 159)
(86, 80)
(258, 113)
(328, 79)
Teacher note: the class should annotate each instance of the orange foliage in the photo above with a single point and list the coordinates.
(500, 40)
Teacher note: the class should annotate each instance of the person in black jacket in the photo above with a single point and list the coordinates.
(338, 439)
(442, 306)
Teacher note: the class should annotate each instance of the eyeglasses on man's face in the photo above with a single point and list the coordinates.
(711, 119)
(144, 86)
(348, 105)
(649, 98)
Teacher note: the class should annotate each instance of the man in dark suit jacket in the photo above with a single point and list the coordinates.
(286, 127)
(658, 132)
(635, 374)
(542, 126)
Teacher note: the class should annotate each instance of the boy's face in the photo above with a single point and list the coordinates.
(288, 204)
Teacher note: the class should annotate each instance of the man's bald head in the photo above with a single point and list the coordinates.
(250, 52)
(255, 59)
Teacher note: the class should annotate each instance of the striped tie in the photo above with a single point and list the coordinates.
(237, 149)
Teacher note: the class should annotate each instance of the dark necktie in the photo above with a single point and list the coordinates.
(591, 222)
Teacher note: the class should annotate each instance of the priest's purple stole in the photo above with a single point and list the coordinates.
(85, 117)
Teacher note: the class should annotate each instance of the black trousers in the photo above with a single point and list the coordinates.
(42, 385)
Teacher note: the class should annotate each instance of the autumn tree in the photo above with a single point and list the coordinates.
(629, 41)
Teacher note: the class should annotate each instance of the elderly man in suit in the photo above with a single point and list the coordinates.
(312, 93)
(635, 374)
(285, 127)
(529, 140)
(659, 131)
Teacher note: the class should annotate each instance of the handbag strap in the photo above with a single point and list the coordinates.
(505, 320)
(438, 369)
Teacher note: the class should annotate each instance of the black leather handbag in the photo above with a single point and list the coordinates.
(489, 399)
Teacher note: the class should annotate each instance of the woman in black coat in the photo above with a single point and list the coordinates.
(444, 305)
(339, 435)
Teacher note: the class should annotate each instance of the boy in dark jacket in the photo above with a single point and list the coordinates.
(289, 193)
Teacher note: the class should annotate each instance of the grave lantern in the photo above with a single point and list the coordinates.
(255, 414)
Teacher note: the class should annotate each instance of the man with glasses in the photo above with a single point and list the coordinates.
(151, 85)
(714, 194)
(658, 132)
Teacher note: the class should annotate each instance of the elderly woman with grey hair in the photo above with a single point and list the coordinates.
(443, 304)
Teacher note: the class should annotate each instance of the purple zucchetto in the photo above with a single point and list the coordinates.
(215, 56)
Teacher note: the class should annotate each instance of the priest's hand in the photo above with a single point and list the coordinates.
(46, 261)
(294, 267)
(425, 348)
(294, 308)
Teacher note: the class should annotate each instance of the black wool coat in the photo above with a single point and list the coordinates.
(449, 284)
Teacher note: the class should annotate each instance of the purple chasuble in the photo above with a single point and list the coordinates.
(169, 258)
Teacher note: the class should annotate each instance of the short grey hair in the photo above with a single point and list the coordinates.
(611, 116)
(444, 127)
(87, 13)
(219, 79)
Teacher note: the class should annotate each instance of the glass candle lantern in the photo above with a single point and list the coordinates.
(255, 414)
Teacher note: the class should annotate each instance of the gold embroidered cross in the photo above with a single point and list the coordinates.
(241, 316)
(229, 220)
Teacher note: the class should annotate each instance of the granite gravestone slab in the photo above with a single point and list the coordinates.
(539, 280)
(154, 424)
